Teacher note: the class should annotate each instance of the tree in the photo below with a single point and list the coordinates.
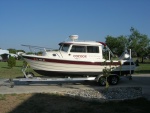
(111, 42)
(122, 43)
(39, 53)
(139, 43)
(116, 44)
(11, 62)
(12, 51)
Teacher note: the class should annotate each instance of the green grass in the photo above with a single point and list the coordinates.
(6, 72)
(143, 68)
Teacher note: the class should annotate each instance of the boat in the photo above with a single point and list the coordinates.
(75, 57)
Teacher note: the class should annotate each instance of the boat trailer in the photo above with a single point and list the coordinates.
(40, 79)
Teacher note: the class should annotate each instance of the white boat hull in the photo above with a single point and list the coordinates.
(82, 68)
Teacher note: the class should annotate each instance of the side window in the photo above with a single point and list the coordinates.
(80, 49)
(92, 49)
(65, 47)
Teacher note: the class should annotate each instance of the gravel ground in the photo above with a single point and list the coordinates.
(119, 93)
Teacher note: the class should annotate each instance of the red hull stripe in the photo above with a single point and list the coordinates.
(72, 62)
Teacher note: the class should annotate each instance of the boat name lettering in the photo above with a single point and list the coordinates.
(79, 56)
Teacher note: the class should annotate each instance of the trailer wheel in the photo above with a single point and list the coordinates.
(114, 79)
(102, 81)
(29, 75)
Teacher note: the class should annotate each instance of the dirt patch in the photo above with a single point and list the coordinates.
(10, 102)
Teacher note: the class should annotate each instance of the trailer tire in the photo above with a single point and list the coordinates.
(102, 81)
(113, 79)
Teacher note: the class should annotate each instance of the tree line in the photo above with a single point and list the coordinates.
(139, 44)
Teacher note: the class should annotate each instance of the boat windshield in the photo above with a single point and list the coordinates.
(64, 47)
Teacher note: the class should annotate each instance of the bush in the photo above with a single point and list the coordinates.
(11, 62)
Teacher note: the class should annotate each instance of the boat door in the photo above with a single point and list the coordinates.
(78, 52)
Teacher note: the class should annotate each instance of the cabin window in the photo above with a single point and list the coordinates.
(92, 49)
(65, 47)
(81, 49)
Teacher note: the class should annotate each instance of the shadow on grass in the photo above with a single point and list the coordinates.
(54, 103)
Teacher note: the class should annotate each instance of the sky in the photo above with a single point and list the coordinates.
(47, 22)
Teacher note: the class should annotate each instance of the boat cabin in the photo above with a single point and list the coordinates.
(81, 50)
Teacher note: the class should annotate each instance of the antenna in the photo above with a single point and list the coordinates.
(73, 37)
